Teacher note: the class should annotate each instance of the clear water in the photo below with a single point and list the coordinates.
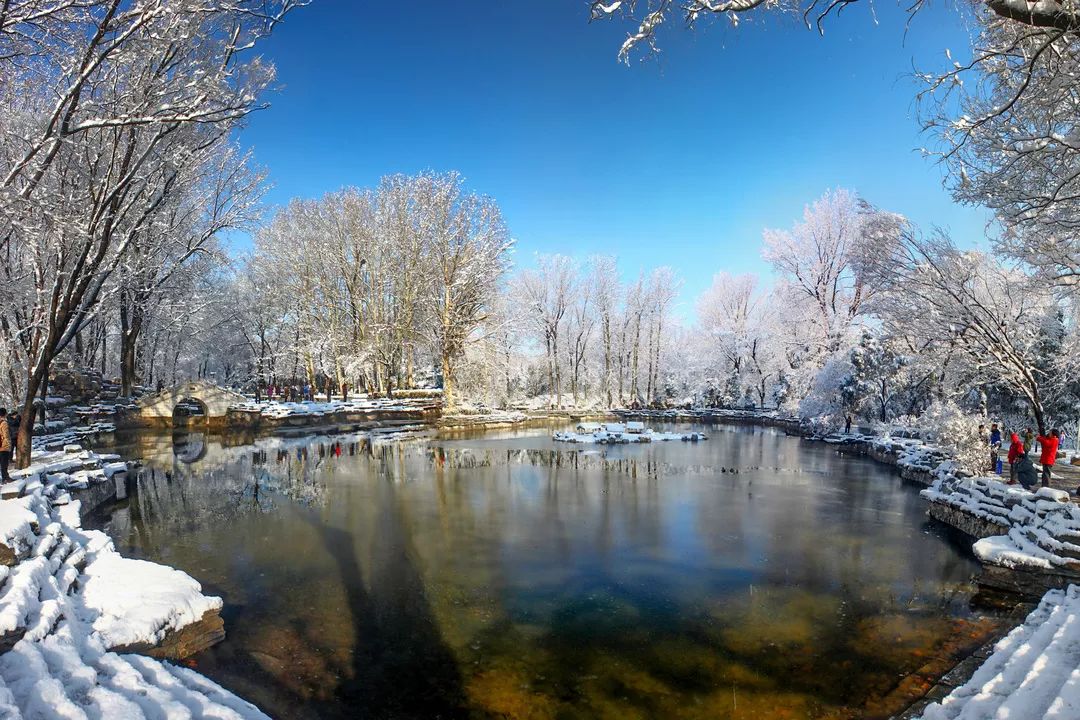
(754, 575)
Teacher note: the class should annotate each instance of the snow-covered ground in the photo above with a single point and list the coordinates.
(67, 598)
(1033, 673)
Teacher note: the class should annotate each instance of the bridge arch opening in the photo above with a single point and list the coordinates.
(190, 411)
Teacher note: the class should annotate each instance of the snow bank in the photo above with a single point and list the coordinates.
(70, 675)
(1033, 673)
(984, 497)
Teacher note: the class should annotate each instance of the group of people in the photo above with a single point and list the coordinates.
(290, 393)
(1021, 466)
(295, 393)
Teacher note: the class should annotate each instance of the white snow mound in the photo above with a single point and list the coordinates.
(139, 602)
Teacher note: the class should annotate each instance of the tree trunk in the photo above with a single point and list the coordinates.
(656, 358)
(883, 399)
(558, 373)
(649, 367)
(35, 381)
(339, 373)
(634, 362)
(150, 372)
(551, 367)
(607, 360)
(575, 363)
(1037, 410)
(131, 323)
(506, 373)
(447, 383)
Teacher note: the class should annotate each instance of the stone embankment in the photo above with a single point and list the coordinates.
(765, 418)
(347, 414)
(81, 627)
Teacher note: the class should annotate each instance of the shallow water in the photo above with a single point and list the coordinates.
(754, 575)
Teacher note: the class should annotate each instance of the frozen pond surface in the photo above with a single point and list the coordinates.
(503, 575)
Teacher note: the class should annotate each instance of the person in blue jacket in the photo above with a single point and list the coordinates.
(995, 446)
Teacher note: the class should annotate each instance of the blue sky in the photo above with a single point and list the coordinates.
(679, 161)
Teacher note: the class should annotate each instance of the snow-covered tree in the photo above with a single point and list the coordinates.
(1004, 114)
(114, 98)
(605, 282)
(547, 293)
(965, 300)
(410, 267)
(1052, 16)
(467, 248)
(820, 263)
(1008, 125)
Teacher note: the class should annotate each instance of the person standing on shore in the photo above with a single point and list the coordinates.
(1029, 440)
(5, 446)
(14, 421)
(847, 426)
(1049, 454)
(995, 446)
(1016, 449)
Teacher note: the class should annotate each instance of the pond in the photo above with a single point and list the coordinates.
(501, 575)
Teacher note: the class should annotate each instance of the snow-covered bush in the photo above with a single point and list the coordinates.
(826, 405)
(956, 432)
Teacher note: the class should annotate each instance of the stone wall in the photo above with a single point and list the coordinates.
(965, 522)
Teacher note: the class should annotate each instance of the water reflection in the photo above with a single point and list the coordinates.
(754, 575)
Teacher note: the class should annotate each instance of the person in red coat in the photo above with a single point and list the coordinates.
(1016, 449)
(1049, 454)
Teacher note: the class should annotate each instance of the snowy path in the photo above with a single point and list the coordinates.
(1033, 673)
(67, 597)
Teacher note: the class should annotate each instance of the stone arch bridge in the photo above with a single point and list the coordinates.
(215, 400)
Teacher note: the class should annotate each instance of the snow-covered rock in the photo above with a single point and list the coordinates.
(135, 602)
(17, 522)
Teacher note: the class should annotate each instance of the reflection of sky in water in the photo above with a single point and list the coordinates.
(506, 575)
